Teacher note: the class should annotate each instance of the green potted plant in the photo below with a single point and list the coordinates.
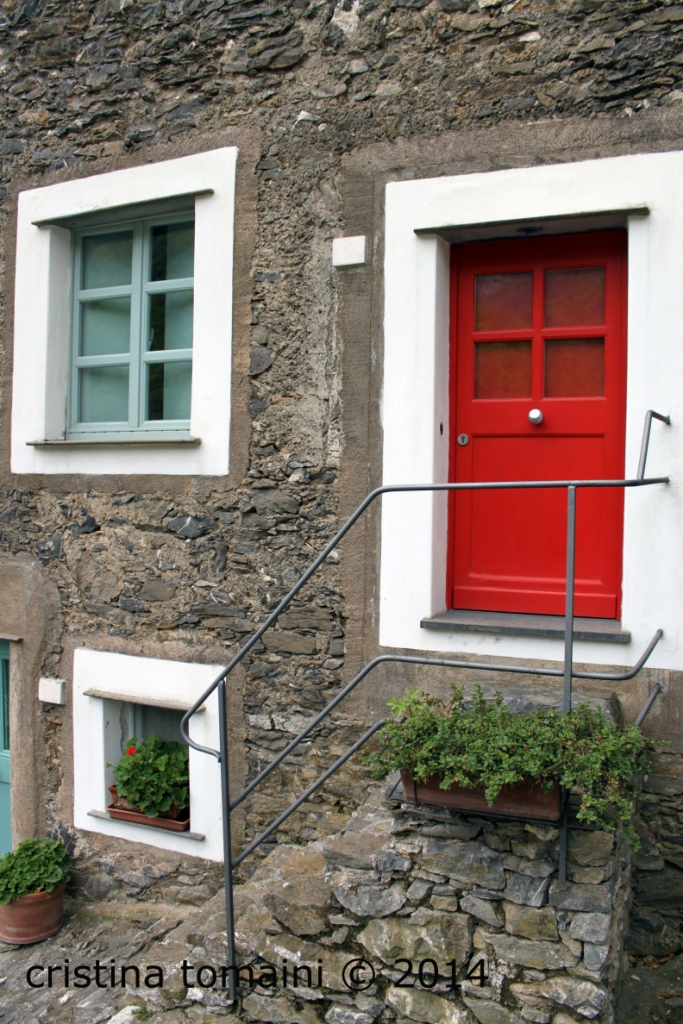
(32, 883)
(481, 756)
(152, 784)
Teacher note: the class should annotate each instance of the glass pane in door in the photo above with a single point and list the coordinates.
(575, 298)
(574, 368)
(502, 302)
(502, 369)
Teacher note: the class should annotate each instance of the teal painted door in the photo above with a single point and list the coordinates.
(5, 825)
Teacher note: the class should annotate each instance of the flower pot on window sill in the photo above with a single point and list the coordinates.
(33, 917)
(516, 800)
(175, 819)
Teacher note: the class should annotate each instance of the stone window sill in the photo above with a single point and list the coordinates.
(174, 705)
(195, 836)
(457, 620)
(77, 442)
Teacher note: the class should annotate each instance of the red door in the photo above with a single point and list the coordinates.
(537, 324)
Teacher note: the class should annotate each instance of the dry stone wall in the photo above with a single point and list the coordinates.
(657, 913)
(403, 886)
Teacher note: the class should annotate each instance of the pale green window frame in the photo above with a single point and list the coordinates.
(140, 360)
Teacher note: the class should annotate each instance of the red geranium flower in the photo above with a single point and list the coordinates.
(131, 750)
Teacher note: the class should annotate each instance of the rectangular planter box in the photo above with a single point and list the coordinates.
(180, 822)
(518, 800)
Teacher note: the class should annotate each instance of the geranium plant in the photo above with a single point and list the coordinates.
(37, 865)
(153, 775)
(485, 746)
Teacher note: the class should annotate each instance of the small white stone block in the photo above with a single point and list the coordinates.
(51, 690)
(348, 252)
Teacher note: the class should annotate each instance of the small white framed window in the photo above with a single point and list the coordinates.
(131, 330)
(163, 406)
(116, 693)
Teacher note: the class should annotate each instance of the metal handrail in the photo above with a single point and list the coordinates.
(567, 672)
(388, 489)
(649, 416)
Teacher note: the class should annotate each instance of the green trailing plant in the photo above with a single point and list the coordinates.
(153, 775)
(143, 1013)
(37, 865)
(484, 745)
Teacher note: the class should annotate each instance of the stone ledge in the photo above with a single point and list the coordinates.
(457, 620)
(197, 837)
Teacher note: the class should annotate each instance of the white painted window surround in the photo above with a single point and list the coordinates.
(167, 683)
(41, 319)
(415, 392)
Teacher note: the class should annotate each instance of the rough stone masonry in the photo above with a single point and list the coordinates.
(414, 892)
(326, 103)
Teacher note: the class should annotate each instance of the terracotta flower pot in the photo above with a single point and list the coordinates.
(516, 800)
(33, 917)
(174, 819)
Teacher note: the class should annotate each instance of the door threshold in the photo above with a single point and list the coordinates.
(458, 620)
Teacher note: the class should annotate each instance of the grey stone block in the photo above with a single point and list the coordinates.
(590, 927)
(544, 956)
(483, 909)
(468, 862)
(526, 889)
(533, 868)
(531, 922)
(589, 898)
(594, 956)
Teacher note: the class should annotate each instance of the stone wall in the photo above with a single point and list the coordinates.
(436, 886)
(656, 926)
(326, 103)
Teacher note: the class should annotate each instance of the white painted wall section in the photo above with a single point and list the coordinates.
(415, 396)
(348, 252)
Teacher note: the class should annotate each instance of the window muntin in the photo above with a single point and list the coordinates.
(132, 321)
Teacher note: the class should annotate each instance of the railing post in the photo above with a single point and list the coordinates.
(564, 843)
(227, 841)
(569, 607)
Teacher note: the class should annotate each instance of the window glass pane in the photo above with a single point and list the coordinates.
(107, 259)
(574, 298)
(502, 301)
(574, 367)
(105, 327)
(103, 394)
(172, 251)
(168, 395)
(502, 369)
(170, 321)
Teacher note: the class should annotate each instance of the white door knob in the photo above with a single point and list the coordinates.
(535, 416)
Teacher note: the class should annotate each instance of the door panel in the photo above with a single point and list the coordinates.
(5, 822)
(537, 324)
